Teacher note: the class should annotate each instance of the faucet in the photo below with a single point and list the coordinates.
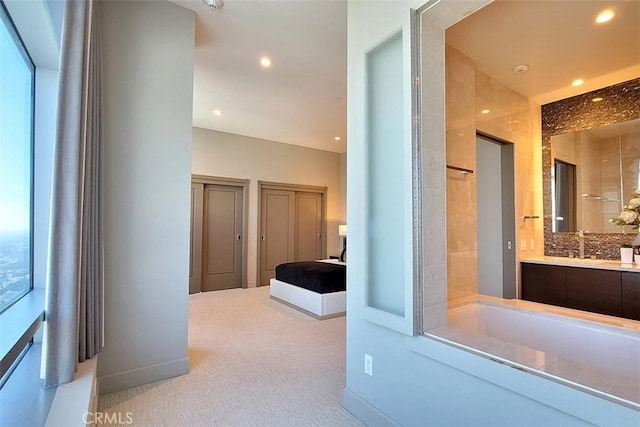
(580, 235)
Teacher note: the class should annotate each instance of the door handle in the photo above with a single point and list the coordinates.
(262, 237)
(238, 237)
(319, 236)
(509, 245)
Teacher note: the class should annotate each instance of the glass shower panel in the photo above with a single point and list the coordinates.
(385, 170)
(630, 157)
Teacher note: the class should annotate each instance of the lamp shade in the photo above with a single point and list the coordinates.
(342, 230)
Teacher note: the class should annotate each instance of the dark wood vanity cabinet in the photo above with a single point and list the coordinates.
(631, 295)
(611, 292)
(598, 291)
(544, 283)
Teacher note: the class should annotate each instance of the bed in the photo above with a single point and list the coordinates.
(317, 288)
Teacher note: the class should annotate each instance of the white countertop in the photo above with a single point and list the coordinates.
(601, 264)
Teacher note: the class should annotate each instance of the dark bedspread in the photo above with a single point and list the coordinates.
(320, 277)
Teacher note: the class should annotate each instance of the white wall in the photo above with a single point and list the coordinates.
(148, 52)
(235, 156)
(419, 380)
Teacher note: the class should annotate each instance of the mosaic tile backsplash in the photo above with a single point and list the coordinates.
(620, 103)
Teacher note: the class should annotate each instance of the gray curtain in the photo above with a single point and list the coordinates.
(75, 273)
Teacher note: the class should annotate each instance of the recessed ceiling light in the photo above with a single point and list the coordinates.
(337, 138)
(577, 82)
(485, 111)
(265, 62)
(522, 68)
(596, 99)
(217, 112)
(605, 16)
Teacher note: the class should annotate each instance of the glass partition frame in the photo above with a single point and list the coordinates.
(391, 299)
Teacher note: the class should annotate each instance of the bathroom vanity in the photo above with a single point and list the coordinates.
(598, 286)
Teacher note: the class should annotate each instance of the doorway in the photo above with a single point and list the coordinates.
(292, 226)
(496, 217)
(563, 197)
(218, 227)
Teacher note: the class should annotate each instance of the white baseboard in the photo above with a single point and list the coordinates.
(149, 374)
(74, 401)
(364, 411)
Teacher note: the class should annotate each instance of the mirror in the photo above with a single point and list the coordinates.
(593, 174)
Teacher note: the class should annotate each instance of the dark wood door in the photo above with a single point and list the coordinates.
(544, 283)
(594, 290)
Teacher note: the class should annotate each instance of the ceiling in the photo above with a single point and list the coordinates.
(301, 99)
(558, 40)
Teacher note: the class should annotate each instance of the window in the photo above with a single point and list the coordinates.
(28, 100)
(17, 82)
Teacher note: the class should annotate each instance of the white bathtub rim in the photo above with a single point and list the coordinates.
(446, 334)
(533, 371)
(599, 321)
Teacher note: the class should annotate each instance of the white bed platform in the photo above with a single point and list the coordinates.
(320, 306)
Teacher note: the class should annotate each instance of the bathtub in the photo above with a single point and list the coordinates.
(596, 357)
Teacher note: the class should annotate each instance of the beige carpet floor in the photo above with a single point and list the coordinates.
(254, 362)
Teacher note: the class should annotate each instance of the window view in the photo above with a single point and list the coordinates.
(16, 118)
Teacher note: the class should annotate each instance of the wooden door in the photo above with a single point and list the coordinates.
(195, 248)
(308, 227)
(277, 214)
(222, 237)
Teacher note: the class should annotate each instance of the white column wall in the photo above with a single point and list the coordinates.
(148, 49)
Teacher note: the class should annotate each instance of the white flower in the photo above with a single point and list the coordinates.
(634, 203)
(629, 216)
(631, 213)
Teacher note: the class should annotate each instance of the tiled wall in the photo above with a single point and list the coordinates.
(621, 102)
(512, 118)
(433, 298)
(462, 255)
